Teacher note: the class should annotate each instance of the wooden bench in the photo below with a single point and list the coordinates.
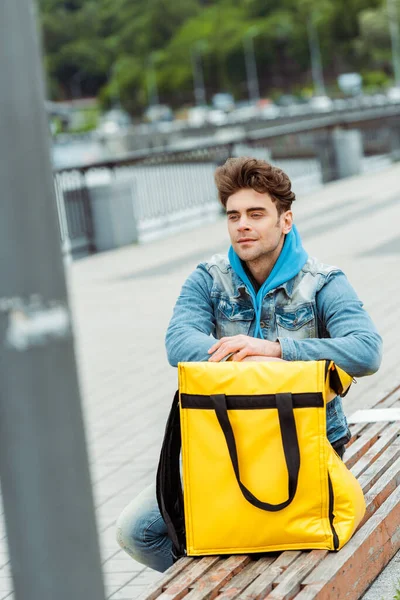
(373, 455)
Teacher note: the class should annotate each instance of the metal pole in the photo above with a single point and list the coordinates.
(316, 62)
(395, 39)
(43, 458)
(152, 88)
(76, 87)
(198, 79)
(117, 94)
(251, 68)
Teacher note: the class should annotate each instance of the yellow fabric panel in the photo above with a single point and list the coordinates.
(217, 513)
(250, 378)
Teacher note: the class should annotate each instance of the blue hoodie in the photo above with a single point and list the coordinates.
(290, 262)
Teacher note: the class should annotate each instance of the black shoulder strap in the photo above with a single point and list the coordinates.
(169, 487)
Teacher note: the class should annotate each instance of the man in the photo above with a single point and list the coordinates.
(266, 300)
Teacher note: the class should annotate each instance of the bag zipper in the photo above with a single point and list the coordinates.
(331, 515)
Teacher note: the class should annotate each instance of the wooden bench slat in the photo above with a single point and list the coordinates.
(179, 587)
(263, 584)
(309, 592)
(380, 466)
(243, 579)
(388, 400)
(387, 437)
(392, 401)
(209, 584)
(363, 443)
(356, 431)
(289, 581)
(348, 573)
(381, 490)
(156, 588)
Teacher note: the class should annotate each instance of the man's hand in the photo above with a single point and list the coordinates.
(242, 346)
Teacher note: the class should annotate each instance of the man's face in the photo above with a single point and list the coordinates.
(255, 229)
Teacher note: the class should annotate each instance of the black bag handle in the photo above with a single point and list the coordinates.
(284, 403)
(169, 487)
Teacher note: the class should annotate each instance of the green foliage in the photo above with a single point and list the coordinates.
(116, 49)
(397, 592)
(375, 80)
(89, 120)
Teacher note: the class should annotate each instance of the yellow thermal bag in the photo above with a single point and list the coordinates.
(259, 474)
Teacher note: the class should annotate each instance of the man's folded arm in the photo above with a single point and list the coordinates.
(189, 334)
(354, 343)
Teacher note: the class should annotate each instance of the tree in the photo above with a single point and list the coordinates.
(109, 47)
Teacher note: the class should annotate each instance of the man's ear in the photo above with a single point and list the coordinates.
(287, 221)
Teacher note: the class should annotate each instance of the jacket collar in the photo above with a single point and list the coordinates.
(287, 286)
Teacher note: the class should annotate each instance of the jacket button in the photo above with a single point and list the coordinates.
(262, 324)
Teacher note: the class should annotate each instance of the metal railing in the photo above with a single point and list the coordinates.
(175, 184)
(74, 212)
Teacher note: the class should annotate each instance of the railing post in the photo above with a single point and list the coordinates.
(395, 140)
(114, 214)
(340, 153)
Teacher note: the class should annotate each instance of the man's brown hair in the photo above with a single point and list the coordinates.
(241, 173)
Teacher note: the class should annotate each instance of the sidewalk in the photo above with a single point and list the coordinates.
(122, 302)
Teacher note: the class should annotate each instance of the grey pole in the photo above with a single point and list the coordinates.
(117, 94)
(394, 38)
(44, 471)
(198, 79)
(251, 68)
(152, 88)
(316, 62)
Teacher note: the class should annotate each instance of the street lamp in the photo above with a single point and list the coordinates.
(76, 87)
(395, 39)
(151, 79)
(198, 77)
(315, 55)
(116, 94)
(251, 66)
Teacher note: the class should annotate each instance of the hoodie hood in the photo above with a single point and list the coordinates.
(289, 263)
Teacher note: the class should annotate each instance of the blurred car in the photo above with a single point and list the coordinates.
(223, 101)
(270, 111)
(69, 151)
(113, 121)
(287, 100)
(158, 113)
(393, 94)
(321, 103)
(197, 116)
(244, 111)
(217, 117)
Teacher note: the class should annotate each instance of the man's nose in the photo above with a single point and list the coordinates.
(243, 223)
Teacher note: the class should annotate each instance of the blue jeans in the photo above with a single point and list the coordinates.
(142, 533)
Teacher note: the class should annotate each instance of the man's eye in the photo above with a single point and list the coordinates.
(232, 217)
(256, 215)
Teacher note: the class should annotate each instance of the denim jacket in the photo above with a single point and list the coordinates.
(315, 315)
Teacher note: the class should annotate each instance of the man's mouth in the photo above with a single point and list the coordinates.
(245, 240)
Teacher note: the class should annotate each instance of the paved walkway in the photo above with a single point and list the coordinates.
(122, 302)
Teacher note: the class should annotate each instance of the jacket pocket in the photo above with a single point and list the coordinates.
(233, 318)
(297, 323)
